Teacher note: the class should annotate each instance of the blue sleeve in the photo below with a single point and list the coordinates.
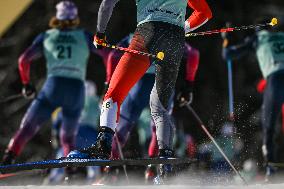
(239, 50)
(35, 50)
(38, 41)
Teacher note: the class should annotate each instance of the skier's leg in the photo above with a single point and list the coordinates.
(153, 147)
(71, 111)
(69, 130)
(166, 74)
(131, 108)
(129, 70)
(39, 111)
(171, 42)
(272, 102)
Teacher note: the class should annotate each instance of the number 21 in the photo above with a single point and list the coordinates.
(64, 52)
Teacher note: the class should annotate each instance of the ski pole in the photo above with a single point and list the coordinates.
(213, 140)
(159, 55)
(272, 23)
(10, 98)
(230, 78)
(230, 88)
(121, 156)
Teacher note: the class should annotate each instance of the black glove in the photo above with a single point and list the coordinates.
(99, 40)
(186, 93)
(29, 91)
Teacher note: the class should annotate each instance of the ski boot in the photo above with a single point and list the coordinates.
(8, 158)
(165, 170)
(101, 149)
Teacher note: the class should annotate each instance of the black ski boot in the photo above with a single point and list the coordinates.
(8, 158)
(101, 149)
(165, 170)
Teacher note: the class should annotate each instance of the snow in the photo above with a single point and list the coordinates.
(188, 180)
(256, 186)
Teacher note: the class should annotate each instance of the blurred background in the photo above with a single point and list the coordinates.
(22, 20)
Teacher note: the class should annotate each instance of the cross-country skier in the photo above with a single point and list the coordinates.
(161, 28)
(138, 97)
(66, 49)
(269, 48)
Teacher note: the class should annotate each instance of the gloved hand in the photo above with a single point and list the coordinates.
(99, 40)
(186, 93)
(29, 91)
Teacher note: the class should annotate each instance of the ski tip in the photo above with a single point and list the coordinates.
(160, 55)
(273, 22)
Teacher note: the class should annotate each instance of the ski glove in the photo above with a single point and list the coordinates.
(99, 40)
(186, 93)
(29, 91)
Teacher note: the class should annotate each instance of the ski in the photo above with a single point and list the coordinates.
(73, 162)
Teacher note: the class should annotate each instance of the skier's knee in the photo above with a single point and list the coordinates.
(29, 126)
(157, 109)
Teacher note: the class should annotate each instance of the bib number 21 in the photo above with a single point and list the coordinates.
(64, 52)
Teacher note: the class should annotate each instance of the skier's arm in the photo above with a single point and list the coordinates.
(201, 14)
(31, 53)
(104, 14)
(237, 51)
